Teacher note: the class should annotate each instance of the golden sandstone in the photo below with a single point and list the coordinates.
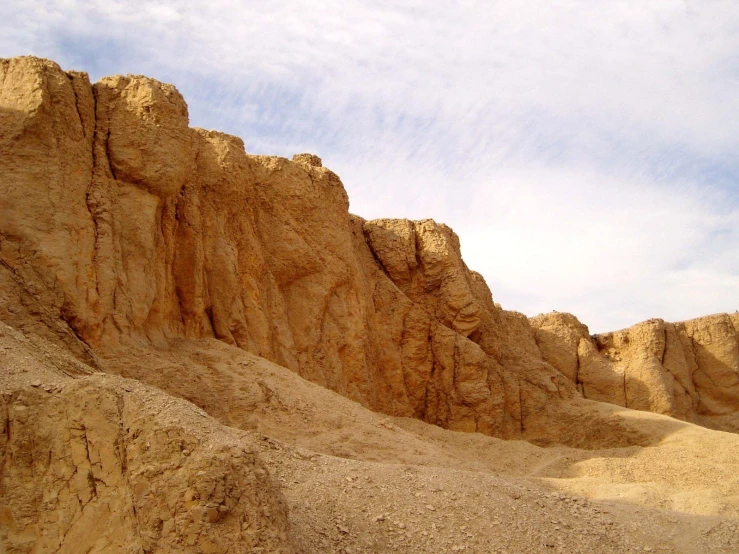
(150, 271)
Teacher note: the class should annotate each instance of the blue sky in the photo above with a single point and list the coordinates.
(587, 153)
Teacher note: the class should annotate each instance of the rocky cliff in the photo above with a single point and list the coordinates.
(121, 226)
(127, 226)
(687, 370)
(129, 241)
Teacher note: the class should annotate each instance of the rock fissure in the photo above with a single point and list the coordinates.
(664, 347)
(520, 413)
(111, 169)
(76, 104)
(626, 395)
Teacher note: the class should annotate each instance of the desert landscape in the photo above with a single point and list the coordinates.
(203, 350)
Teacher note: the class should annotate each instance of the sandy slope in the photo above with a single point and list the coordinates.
(343, 466)
(357, 481)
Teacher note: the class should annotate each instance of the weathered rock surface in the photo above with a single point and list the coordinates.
(98, 463)
(132, 228)
(122, 227)
(132, 241)
(688, 370)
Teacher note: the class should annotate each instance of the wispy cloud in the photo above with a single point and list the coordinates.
(584, 151)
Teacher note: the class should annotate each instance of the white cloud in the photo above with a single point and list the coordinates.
(613, 252)
(584, 151)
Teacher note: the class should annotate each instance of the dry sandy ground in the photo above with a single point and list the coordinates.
(356, 481)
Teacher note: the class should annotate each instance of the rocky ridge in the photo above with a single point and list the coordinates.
(686, 370)
(124, 226)
(130, 241)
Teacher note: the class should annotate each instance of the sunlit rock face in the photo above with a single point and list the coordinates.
(122, 226)
(688, 370)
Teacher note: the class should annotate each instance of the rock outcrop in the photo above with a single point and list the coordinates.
(96, 463)
(688, 370)
(122, 227)
(132, 228)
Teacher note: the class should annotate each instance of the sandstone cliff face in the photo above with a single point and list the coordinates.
(132, 228)
(122, 227)
(688, 370)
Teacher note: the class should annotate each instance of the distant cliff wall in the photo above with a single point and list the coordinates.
(688, 370)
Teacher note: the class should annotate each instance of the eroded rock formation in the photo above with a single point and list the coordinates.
(96, 463)
(129, 226)
(126, 237)
(121, 226)
(688, 370)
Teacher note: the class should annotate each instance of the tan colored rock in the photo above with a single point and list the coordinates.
(147, 139)
(713, 359)
(598, 377)
(187, 235)
(153, 232)
(108, 464)
(47, 120)
(638, 353)
(393, 241)
(687, 370)
(130, 240)
(423, 259)
(558, 337)
(308, 159)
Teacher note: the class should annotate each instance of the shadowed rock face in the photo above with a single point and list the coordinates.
(122, 226)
